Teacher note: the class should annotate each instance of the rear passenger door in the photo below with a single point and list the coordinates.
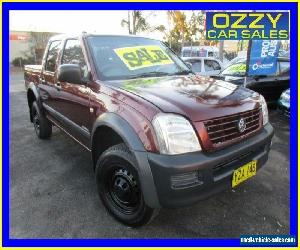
(73, 100)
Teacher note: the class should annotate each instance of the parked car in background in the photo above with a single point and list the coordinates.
(236, 60)
(200, 51)
(284, 103)
(270, 86)
(205, 66)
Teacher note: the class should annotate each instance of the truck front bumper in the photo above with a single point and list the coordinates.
(181, 180)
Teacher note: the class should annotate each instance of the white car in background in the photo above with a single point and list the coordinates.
(205, 66)
(200, 51)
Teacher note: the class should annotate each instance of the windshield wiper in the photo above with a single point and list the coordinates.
(158, 73)
(148, 74)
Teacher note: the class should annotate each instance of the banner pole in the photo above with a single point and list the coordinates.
(247, 61)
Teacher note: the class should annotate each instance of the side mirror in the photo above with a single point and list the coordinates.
(69, 73)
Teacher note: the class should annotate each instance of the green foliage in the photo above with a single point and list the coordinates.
(183, 30)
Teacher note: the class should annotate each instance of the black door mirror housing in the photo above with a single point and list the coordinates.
(69, 73)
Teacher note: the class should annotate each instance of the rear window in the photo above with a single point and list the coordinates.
(52, 56)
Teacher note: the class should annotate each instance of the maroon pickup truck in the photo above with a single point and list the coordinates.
(159, 135)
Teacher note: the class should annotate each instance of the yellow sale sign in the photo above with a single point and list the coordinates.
(143, 56)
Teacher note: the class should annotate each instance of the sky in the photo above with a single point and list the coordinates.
(104, 22)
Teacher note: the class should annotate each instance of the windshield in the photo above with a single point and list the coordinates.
(236, 69)
(122, 57)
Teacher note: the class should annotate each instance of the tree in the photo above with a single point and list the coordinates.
(38, 41)
(180, 28)
(196, 27)
(183, 29)
(135, 22)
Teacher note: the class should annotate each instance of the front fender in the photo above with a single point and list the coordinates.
(135, 145)
(122, 128)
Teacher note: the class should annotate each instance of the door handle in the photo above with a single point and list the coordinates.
(43, 81)
(58, 86)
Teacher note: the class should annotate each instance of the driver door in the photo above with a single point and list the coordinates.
(73, 103)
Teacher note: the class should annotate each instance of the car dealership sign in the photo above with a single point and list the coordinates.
(247, 25)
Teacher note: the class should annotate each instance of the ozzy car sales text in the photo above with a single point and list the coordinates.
(247, 25)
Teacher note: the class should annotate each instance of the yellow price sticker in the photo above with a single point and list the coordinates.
(143, 56)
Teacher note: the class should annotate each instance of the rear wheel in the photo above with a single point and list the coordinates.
(119, 187)
(42, 126)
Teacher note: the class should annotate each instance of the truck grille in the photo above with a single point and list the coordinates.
(225, 129)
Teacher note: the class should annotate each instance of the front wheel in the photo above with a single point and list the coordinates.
(119, 187)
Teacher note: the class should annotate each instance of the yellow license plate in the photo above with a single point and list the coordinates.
(243, 173)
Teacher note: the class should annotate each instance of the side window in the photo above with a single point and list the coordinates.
(196, 65)
(211, 65)
(210, 54)
(73, 54)
(194, 52)
(52, 56)
(186, 53)
(216, 65)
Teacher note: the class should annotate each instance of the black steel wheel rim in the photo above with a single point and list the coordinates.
(123, 190)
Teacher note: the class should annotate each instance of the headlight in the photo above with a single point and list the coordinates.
(264, 109)
(175, 134)
(285, 97)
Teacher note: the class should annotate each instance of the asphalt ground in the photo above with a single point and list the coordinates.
(53, 192)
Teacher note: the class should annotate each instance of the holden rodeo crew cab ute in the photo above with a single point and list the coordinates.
(159, 135)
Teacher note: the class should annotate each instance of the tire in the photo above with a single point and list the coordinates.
(119, 187)
(42, 126)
